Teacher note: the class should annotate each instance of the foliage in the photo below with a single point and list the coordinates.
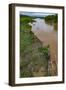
(26, 73)
(45, 51)
(53, 18)
(31, 51)
(26, 19)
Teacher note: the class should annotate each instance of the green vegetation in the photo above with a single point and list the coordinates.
(26, 19)
(52, 19)
(33, 55)
(25, 37)
(45, 51)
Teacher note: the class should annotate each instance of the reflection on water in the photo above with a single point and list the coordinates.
(46, 33)
(41, 25)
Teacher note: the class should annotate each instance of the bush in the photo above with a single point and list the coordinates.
(45, 51)
(26, 73)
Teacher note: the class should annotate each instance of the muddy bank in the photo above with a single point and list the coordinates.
(48, 36)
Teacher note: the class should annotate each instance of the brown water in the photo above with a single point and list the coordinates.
(48, 36)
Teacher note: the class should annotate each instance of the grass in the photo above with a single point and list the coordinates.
(45, 51)
(26, 19)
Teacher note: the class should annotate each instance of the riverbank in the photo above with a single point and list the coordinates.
(33, 56)
(38, 48)
(48, 36)
(52, 20)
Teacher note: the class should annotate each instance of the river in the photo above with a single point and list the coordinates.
(48, 36)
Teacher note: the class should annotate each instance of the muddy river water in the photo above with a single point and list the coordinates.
(48, 36)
